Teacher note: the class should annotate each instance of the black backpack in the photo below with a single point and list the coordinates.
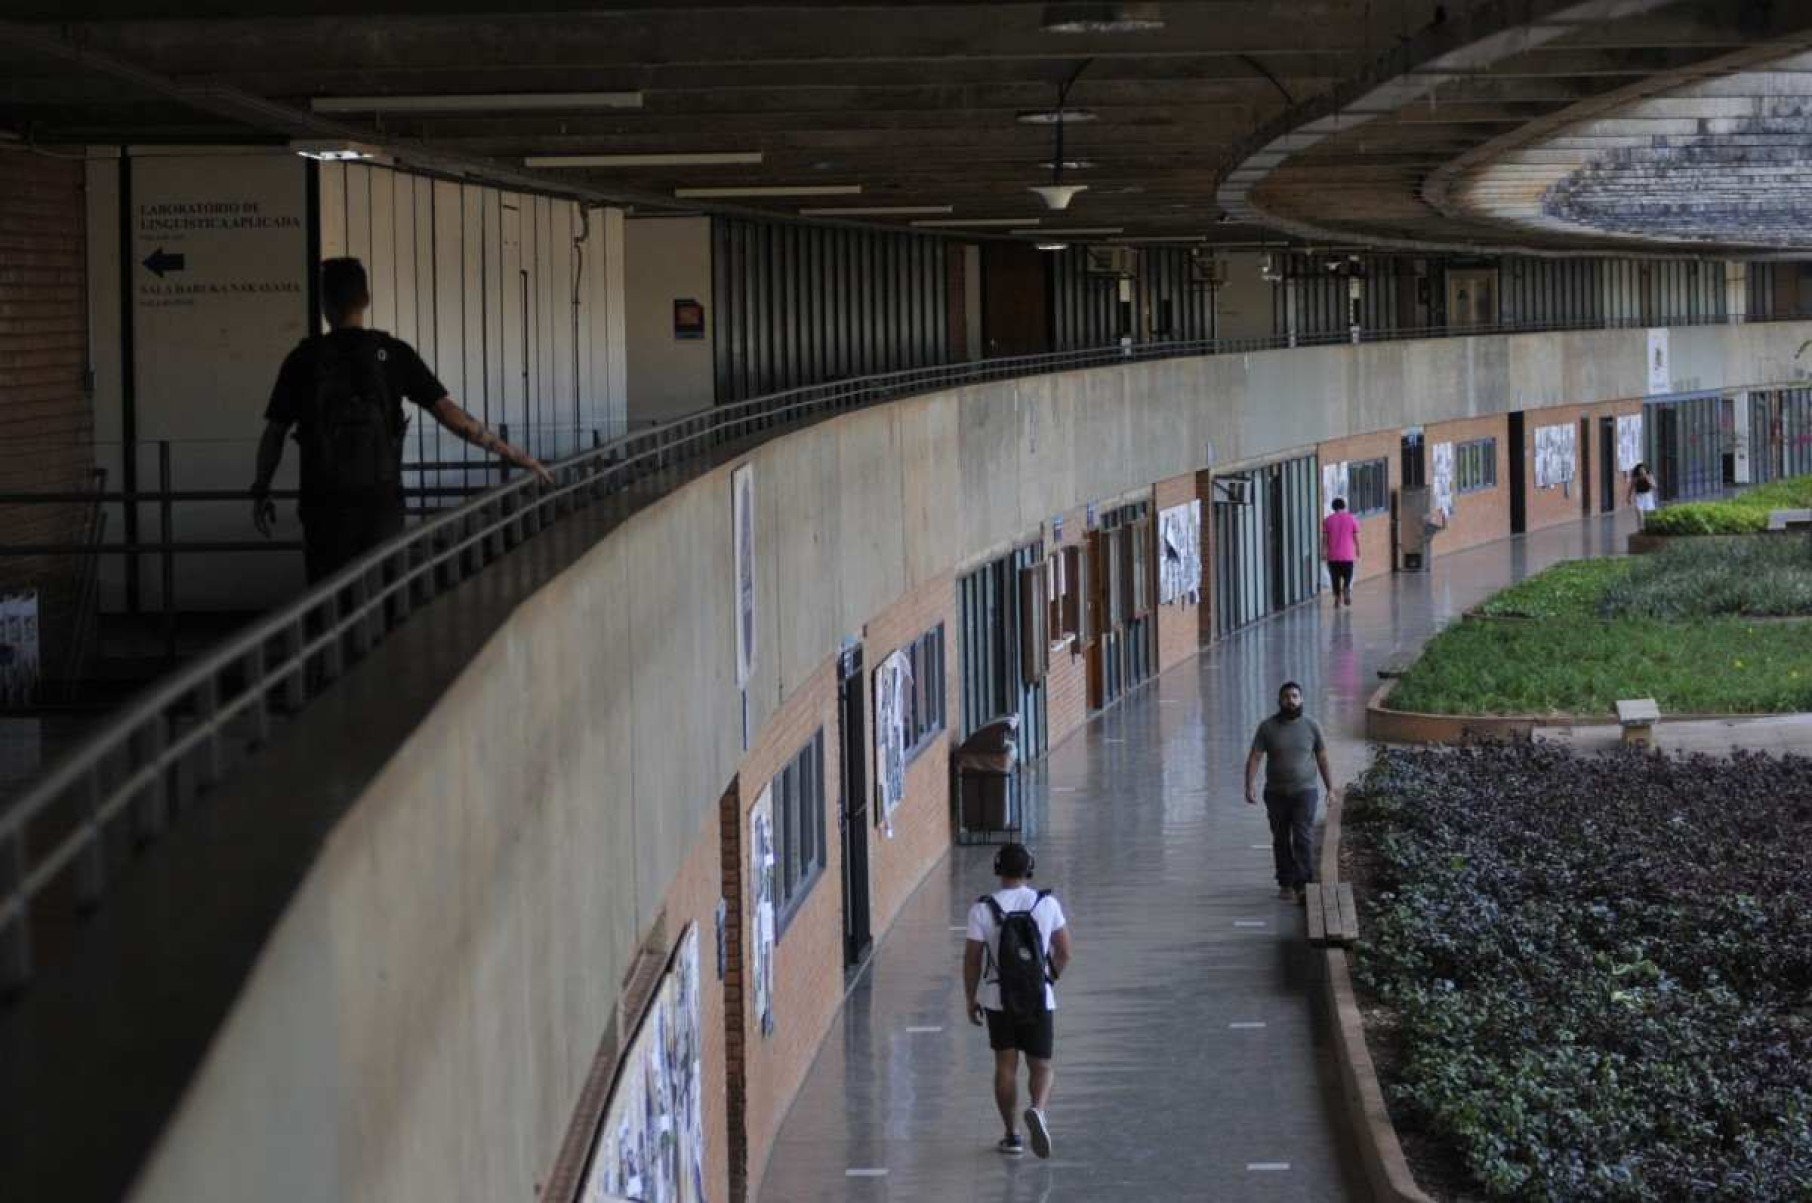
(1020, 964)
(352, 442)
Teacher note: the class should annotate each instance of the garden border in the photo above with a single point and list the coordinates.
(1387, 1171)
(1386, 725)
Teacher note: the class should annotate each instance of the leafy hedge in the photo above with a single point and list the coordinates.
(1711, 578)
(1743, 514)
(1598, 971)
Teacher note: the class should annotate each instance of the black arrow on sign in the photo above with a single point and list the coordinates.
(160, 261)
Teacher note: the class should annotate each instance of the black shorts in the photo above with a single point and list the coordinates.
(1340, 572)
(1033, 1037)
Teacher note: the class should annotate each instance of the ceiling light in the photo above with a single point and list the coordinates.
(769, 190)
(1074, 231)
(1101, 18)
(479, 102)
(338, 152)
(981, 221)
(1053, 246)
(1055, 116)
(879, 211)
(1069, 164)
(1057, 196)
(736, 158)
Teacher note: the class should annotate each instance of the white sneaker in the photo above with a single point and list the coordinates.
(1038, 1131)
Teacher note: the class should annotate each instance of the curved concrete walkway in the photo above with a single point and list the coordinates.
(1191, 1060)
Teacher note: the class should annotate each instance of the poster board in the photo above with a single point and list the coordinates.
(1556, 457)
(1629, 441)
(1660, 365)
(893, 681)
(1441, 480)
(763, 912)
(651, 1144)
(1333, 484)
(1180, 554)
(742, 521)
(19, 647)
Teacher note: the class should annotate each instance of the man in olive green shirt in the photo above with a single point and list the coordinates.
(1294, 752)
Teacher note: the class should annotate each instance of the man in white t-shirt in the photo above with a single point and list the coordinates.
(1031, 1029)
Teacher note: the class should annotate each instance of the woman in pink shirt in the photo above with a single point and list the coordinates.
(1340, 547)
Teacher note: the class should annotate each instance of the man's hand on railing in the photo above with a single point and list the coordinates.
(529, 463)
(264, 511)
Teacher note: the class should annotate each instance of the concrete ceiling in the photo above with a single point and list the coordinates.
(1672, 125)
(915, 103)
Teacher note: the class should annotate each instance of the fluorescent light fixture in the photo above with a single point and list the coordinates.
(734, 158)
(1069, 164)
(479, 102)
(1101, 18)
(981, 221)
(1055, 117)
(1074, 232)
(1162, 238)
(1053, 246)
(879, 211)
(339, 152)
(1057, 196)
(769, 190)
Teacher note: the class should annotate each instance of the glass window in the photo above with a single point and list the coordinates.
(799, 801)
(1368, 486)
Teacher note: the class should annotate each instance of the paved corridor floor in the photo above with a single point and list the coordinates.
(1165, 1088)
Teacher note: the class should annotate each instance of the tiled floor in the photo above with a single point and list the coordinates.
(1140, 828)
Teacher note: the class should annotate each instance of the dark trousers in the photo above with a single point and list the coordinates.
(334, 536)
(1340, 575)
(1293, 835)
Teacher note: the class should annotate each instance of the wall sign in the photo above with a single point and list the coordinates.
(688, 318)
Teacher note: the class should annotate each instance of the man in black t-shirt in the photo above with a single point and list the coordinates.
(347, 510)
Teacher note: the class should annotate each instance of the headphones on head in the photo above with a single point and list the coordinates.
(1000, 870)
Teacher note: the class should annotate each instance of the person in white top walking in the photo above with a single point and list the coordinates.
(1018, 946)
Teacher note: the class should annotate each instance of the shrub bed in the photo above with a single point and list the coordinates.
(1592, 978)
(1743, 514)
(1741, 577)
(1571, 589)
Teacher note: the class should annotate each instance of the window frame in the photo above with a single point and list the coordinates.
(926, 718)
(800, 858)
(1360, 473)
(1481, 455)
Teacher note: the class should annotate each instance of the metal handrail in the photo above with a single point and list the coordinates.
(144, 756)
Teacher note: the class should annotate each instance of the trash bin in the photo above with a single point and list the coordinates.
(984, 765)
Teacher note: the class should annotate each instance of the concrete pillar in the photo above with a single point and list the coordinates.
(1736, 291)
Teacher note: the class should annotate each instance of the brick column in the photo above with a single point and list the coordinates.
(736, 1093)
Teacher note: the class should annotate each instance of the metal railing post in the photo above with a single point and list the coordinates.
(151, 808)
(91, 862)
(165, 513)
(15, 915)
(260, 708)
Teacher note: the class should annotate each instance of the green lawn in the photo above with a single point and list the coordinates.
(1743, 514)
(1678, 626)
(1584, 666)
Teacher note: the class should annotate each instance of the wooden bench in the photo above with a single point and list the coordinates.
(1333, 915)
(1637, 717)
(1396, 666)
(1789, 519)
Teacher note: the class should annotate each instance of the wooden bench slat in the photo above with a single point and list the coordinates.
(1349, 912)
(1318, 930)
(1330, 905)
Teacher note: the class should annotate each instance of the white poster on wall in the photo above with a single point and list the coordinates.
(219, 289)
(1660, 367)
(1629, 441)
(1333, 484)
(763, 907)
(893, 681)
(651, 1144)
(1556, 457)
(19, 650)
(1180, 552)
(1441, 479)
(742, 521)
